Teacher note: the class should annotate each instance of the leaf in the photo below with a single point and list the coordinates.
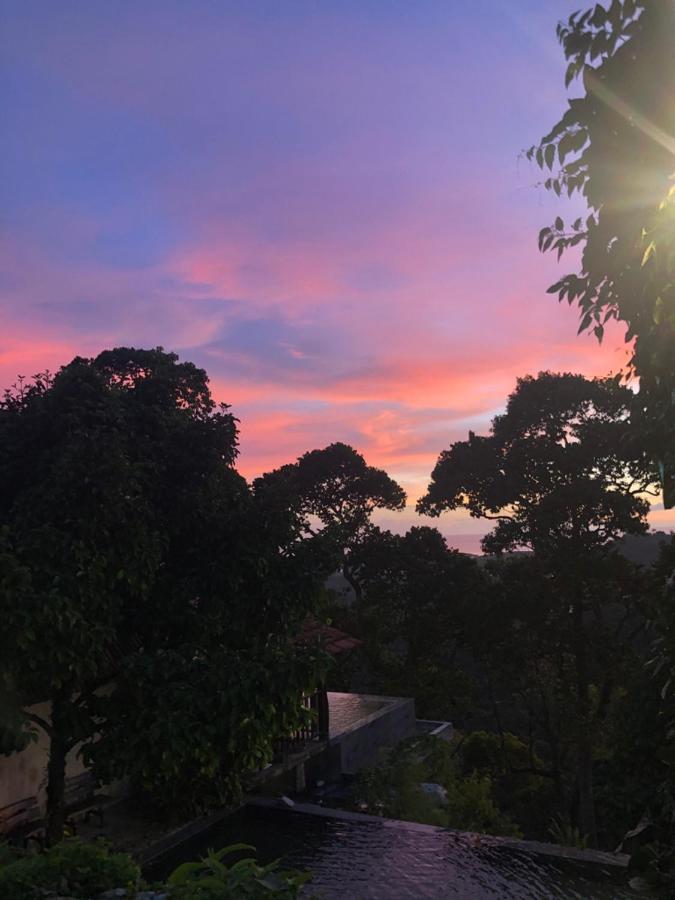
(585, 322)
(549, 155)
(233, 848)
(185, 873)
(649, 252)
(571, 73)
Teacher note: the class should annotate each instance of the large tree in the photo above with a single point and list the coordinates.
(134, 555)
(413, 609)
(561, 475)
(615, 146)
(523, 637)
(336, 491)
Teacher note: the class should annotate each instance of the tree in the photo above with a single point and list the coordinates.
(615, 146)
(394, 789)
(134, 555)
(524, 638)
(561, 476)
(78, 544)
(336, 488)
(414, 594)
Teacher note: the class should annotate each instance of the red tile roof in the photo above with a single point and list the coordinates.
(332, 639)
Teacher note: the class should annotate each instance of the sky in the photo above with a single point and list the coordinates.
(322, 203)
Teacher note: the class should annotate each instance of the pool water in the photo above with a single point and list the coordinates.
(358, 858)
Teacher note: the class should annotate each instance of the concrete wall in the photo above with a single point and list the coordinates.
(24, 774)
(362, 745)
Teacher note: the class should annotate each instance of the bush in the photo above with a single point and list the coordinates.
(471, 807)
(212, 879)
(522, 795)
(393, 789)
(85, 871)
(70, 868)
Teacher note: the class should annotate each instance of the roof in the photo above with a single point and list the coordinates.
(332, 639)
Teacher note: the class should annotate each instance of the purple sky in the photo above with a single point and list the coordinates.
(322, 203)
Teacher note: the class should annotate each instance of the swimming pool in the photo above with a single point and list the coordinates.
(355, 857)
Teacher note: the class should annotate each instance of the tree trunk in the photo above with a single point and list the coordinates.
(587, 824)
(56, 775)
(350, 578)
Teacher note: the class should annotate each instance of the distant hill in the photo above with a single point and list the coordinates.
(643, 548)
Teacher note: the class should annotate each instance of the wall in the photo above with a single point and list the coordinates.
(362, 745)
(24, 774)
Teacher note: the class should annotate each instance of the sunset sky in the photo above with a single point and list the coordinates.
(321, 203)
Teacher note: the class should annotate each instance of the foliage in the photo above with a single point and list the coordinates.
(654, 865)
(82, 870)
(513, 767)
(614, 146)
(212, 719)
(79, 545)
(633, 758)
(71, 868)
(558, 471)
(213, 879)
(566, 834)
(411, 614)
(393, 789)
(562, 475)
(485, 752)
(655, 859)
(336, 488)
(472, 807)
(8, 853)
(135, 554)
(526, 638)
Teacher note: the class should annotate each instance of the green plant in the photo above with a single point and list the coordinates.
(213, 879)
(566, 834)
(654, 864)
(471, 807)
(70, 868)
(394, 789)
(132, 553)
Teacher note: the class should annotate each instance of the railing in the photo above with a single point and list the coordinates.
(315, 729)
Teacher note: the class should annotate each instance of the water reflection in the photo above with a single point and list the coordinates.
(396, 861)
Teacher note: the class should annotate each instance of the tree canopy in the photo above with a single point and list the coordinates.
(134, 554)
(615, 146)
(562, 475)
(415, 592)
(559, 468)
(334, 490)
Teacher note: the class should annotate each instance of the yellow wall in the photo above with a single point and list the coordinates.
(25, 774)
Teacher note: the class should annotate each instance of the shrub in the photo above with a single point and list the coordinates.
(212, 879)
(70, 868)
(471, 807)
(567, 835)
(394, 789)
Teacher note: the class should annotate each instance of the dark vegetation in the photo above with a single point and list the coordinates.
(146, 591)
(154, 598)
(613, 146)
(546, 643)
(76, 871)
